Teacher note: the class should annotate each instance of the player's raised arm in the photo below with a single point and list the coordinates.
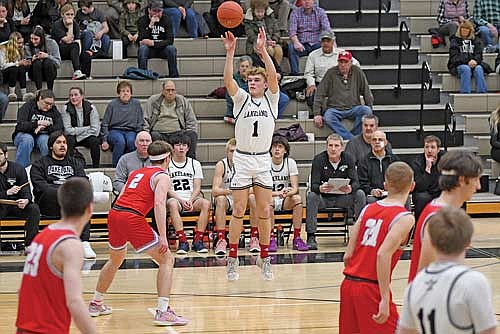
(260, 47)
(230, 46)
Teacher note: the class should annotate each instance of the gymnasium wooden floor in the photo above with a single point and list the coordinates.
(303, 298)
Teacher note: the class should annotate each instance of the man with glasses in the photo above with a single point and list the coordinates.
(36, 120)
(168, 114)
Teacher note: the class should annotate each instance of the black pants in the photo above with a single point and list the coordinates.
(193, 136)
(92, 142)
(43, 70)
(11, 75)
(420, 200)
(125, 43)
(31, 213)
(80, 61)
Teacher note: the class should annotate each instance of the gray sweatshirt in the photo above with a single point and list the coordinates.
(121, 116)
(52, 50)
(126, 165)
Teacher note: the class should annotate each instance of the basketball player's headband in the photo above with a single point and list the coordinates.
(158, 157)
(448, 172)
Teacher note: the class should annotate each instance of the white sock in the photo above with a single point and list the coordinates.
(98, 297)
(12, 90)
(163, 303)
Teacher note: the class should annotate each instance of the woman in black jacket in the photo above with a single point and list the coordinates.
(466, 58)
(20, 13)
(495, 134)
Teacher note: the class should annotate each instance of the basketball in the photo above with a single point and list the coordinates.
(230, 14)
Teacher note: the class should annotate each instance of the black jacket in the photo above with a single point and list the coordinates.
(462, 51)
(87, 110)
(59, 30)
(15, 175)
(161, 34)
(322, 170)
(371, 171)
(495, 143)
(29, 115)
(425, 182)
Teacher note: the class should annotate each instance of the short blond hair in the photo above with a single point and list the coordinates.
(230, 142)
(257, 71)
(398, 177)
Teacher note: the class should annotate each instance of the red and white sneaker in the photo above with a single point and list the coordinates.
(169, 318)
(220, 248)
(96, 310)
(254, 245)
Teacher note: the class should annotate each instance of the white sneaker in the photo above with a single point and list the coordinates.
(88, 252)
(78, 75)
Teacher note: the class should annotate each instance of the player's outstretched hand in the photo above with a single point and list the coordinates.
(260, 46)
(383, 312)
(229, 41)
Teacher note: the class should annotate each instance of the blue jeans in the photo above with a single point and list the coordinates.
(282, 104)
(86, 38)
(465, 74)
(487, 36)
(4, 103)
(25, 143)
(121, 142)
(333, 119)
(176, 17)
(294, 55)
(169, 52)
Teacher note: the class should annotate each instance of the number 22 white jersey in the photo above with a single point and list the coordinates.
(183, 176)
(254, 120)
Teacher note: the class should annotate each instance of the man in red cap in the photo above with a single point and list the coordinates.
(340, 91)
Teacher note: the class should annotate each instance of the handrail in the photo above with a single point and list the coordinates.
(406, 43)
(425, 85)
(448, 110)
(359, 13)
(387, 8)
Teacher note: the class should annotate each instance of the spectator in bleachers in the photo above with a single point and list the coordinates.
(261, 15)
(495, 140)
(45, 58)
(466, 58)
(36, 120)
(451, 14)
(45, 13)
(497, 63)
(14, 66)
(181, 11)
(319, 61)
(426, 174)
(93, 29)
(67, 35)
(185, 194)
(6, 24)
(4, 103)
(14, 185)
(128, 24)
(49, 173)
(240, 76)
(371, 169)
(338, 97)
(286, 190)
(169, 114)
(281, 12)
(82, 125)
(121, 122)
(305, 26)
(133, 160)
(359, 146)
(156, 38)
(332, 163)
(20, 13)
(487, 16)
(111, 13)
(216, 29)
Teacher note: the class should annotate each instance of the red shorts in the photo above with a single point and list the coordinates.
(358, 302)
(124, 226)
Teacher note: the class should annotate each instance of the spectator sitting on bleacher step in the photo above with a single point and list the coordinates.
(281, 12)
(216, 29)
(14, 66)
(487, 17)
(93, 29)
(6, 24)
(451, 14)
(128, 24)
(178, 11)
(495, 141)
(466, 59)
(20, 14)
(49, 173)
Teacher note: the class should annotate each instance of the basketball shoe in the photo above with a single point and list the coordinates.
(232, 269)
(96, 309)
(220, 248)
(265, 268)
(169, 318)
(254, 245)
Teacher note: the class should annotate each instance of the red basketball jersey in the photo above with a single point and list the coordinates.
(42, 301)
(429, 210)
(376, 221)
(139, 190)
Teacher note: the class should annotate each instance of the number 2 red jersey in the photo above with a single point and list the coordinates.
(429, 210)
(376, 221)
(42, 301)
(138, 193)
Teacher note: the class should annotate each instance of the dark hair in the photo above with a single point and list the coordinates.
(370, 116)
(455, 164)
(283, 141)
(159, 147)
(122, 84)
(432, 138)
(74, 197)
(180, 138)
(53, 137)
(84, 3)
(42, 94)
(38, 31)
(79, 89)
(3, 147)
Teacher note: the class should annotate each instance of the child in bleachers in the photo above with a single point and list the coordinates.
(14, 65)
(128, 23)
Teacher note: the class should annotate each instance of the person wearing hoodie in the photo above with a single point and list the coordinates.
(36, 120)
(128, 24)
(466, 58)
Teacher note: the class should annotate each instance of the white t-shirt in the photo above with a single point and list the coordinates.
(254, 120)
(281, 173)
(450, 298)
(183, 175)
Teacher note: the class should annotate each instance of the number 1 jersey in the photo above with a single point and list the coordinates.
(376, 221)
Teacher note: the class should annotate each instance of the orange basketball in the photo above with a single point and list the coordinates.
(230, 14)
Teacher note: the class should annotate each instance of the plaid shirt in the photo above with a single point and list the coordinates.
(449, 11)
(487, 11)
(308, 27)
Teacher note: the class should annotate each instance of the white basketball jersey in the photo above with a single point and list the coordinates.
(281, 173)
(183, 175)
(228, 174)
(448, 298)
(254, 120)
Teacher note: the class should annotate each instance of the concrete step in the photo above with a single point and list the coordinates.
(369, 18)
(419, 25)
(451, 83)
(423, 7)
(474, 103)
(483, 143)
(439, 61)
(477, 124)
(426, 47)
(347, 5)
